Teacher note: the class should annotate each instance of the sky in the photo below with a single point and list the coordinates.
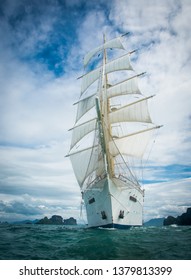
(41, 54)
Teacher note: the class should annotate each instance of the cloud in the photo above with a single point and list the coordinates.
(34, 114)
(42, 171)
(170, 198)
(17, 207)
(143, 16)
(164, 52)
(30, 208)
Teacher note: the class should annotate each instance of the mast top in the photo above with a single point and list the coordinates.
(114, 43)
(104, 38)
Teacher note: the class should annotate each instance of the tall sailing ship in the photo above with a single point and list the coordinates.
(109, 138)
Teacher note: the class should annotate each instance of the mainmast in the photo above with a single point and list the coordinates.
(105, 109)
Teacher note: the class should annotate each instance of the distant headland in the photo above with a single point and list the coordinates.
(183, 220)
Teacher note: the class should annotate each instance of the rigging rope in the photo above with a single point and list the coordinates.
(146, 161)
(133, 176)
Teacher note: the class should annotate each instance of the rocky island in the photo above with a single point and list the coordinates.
(183, 220)
(57, 220)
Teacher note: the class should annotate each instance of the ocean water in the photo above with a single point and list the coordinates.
(50, 242)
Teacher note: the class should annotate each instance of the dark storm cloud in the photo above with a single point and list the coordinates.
(17, 207)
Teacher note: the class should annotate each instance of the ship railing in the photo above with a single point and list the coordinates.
(126, 180)
(96, 180)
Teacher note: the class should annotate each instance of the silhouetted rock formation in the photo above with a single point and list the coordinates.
(44, 221)
(57, 220)
(70, 221)
(183, 220)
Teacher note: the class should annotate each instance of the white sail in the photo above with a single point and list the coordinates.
(121, 63)
(114, 43)
(85, 162)
(129, 86)
(81, 130)
(132, 145)
(134, 112)
(85, 105)
(89, 79)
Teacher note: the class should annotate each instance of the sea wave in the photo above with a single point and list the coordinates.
(78, 243)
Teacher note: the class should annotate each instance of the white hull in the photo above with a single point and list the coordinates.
(113, 203)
